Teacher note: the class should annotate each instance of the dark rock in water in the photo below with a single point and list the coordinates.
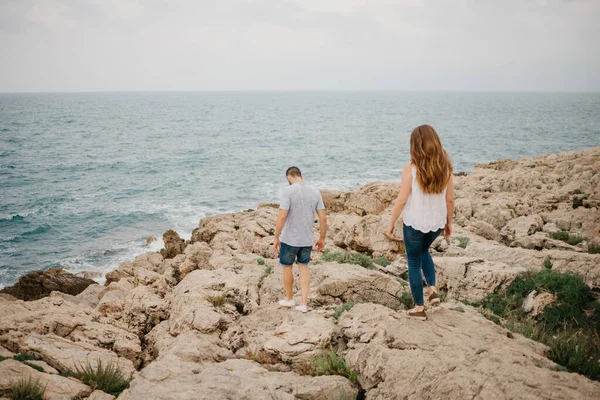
(38, 284)
(174, 245)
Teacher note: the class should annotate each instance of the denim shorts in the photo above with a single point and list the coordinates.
(289, 254)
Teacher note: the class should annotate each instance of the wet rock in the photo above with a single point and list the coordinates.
(38, 284)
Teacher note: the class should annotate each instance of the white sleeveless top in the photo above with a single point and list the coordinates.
(425, 212)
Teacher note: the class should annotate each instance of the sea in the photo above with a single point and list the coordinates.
(85, 178)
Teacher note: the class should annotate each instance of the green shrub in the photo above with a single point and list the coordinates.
(23, 357)
(594, 248)
(463, 241)
(402, 282)
(577, 191)
(36, 367)
(329, 363)
(576, 354)
(578, 201)
(569, 326)
(27, 389)
(339, 310)
(547, 263)
(573, 240)
(108, 378)
(348, 258)
(3, 358)
(383, 261)
(260, 261)
(406, 299)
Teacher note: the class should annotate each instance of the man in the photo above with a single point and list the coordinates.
(297, 208)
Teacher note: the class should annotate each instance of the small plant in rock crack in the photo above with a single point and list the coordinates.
(547, 263)
(406, 300)
(216, 301)
(262, 357)
(463, 241)
(260, 261)
(268, 269)
(339, 310)
(107, 378)
(27, 389)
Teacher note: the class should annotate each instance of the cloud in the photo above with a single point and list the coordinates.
(299, 44)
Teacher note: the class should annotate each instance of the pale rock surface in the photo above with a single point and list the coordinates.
(100, 395)
(289, 335)
(471, 279)
(402, 358)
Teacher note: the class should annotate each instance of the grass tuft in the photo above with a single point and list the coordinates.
(260, 261)
(480, 351)
(594, 248)
(406, 299)
(348, 258)
(23, 357)
(268, 269)
(108, 378)
(27, 389)
(402, 282)
(216, 301)
(463, 241)
(262, 357)
(328, 363)
(383, 261)
(573, 240)
(340, 309)
(547, 263)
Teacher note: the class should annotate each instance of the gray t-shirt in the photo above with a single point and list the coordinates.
(302, 202)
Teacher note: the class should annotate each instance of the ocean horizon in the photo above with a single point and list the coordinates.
(87, 176)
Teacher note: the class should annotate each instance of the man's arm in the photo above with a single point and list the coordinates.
(281, 217)
(322, 229)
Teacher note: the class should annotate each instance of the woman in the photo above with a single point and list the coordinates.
(427, 199)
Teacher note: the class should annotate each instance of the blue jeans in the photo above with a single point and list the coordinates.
(417, 252)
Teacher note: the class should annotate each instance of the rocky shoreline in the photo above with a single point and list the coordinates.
(200, 320)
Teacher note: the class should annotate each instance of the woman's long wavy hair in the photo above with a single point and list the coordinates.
(431, 160)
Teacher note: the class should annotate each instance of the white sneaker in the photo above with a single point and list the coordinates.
(302, 308)
(287, 303)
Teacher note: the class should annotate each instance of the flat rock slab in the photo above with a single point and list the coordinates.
(57, 387)
(454, 355)
(66, 355)
(285, 333)
(232, 379)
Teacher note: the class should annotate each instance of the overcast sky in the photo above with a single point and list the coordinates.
(122, 45)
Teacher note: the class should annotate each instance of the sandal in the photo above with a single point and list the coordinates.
(434, 299)
(417, 314)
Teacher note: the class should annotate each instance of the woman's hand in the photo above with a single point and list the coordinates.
(447, 231)
(389, 233)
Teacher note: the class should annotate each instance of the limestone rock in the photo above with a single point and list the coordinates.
(57, 387)
(100, 395)
(521, 227)
(190, 301)
(472, 279)
(345, 282)
(243, 379)
(542, 301)
(396, 354)
(284, 333)
(174, 245)
(38, 284)
(485, 230)
(44, 365)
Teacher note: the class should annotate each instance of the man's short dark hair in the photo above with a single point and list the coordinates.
(293, 171)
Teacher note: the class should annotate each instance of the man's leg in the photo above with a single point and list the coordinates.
(303, 260)
(304, 283)
(288, 282)
(287, 255)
